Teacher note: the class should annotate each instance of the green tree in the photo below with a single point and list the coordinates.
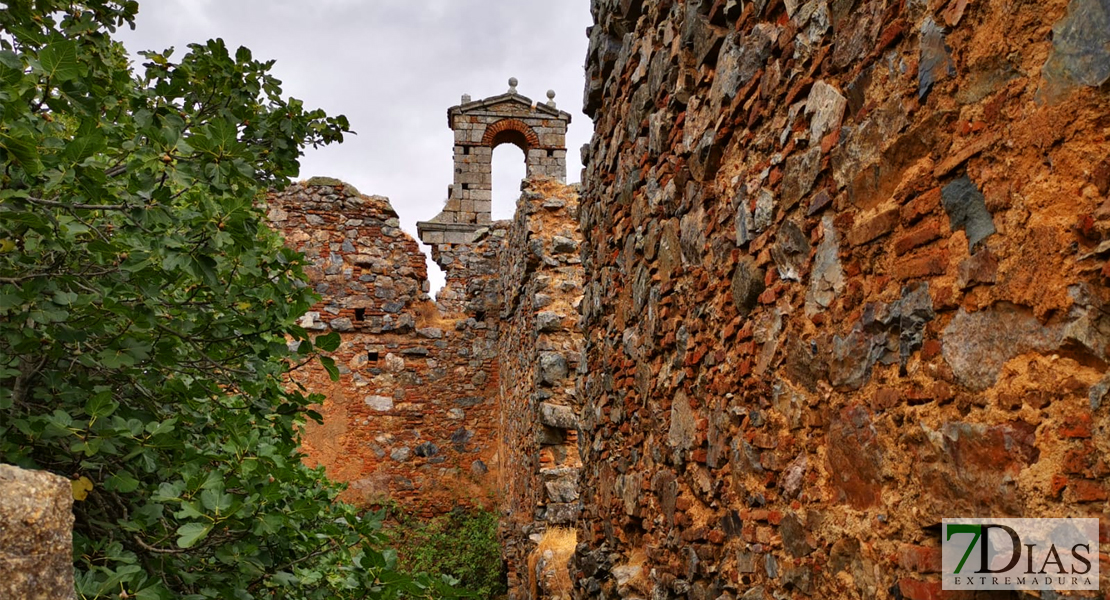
(145, 308)
(461, 544)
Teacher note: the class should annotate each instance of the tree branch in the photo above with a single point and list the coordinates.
(45, 202)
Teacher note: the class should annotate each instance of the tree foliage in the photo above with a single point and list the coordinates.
(145, 308)
(462, 544)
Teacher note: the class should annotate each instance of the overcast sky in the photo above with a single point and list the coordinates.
(394, 67)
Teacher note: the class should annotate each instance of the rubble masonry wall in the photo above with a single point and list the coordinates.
(845, 276)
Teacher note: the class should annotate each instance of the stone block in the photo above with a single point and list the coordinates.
(562, 513)
(561, 417)
(552, 368)
(36, 535)
(562, 490)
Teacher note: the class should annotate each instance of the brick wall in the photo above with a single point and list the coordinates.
(845, 276)
(413, 415)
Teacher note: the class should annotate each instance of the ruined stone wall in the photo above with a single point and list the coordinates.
(470, 270)
(845, 276)
(413, 415)
(470, 402)
(540, 350)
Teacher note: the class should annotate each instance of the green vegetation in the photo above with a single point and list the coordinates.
(144, 311)
(462, 545)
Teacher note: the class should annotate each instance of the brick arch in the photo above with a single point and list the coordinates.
(513, 131)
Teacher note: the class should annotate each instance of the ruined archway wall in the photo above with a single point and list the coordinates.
(412, 418)
(843, 279)
(543, 140)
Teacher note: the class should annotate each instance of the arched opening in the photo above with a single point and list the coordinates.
(508, 170)
(511, 136)
(507, 167)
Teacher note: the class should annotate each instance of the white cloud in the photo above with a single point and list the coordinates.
(394, 67)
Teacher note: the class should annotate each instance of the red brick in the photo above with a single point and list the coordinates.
(914, 589)
(1075, 461)
(928, 262)
(930, 349)
(884, 398)
(878, 226)
(922, 234)
(920, 206)
(1057, 485)
(920, 559)
(1076, 426)
(1086, 490)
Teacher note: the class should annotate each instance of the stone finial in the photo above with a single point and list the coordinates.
(551, 98)
(465, 98)
(512, 85)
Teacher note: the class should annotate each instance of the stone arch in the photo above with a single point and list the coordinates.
(512, 131)
(538, 129)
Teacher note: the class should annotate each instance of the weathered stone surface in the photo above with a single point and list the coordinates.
(562, 417)
(379, 403)
(747, 285)
(741, 57)
(705, 156)
(978, 344)
(36, 535)
(794, 536)
(401, 361)
(979, 268)
(745, 223)
(776, 399)
(552, 367)
(764, 209)
(855, 458)
(547, 321)
(562, 513)
(563, 245)
(825, 106)
(971, 467)
(562, 490)
(790, 252)
(967, 210)
(400, 453)
(827, 277)
(1080, 50)
(425, 450)
(935, 61)
(863, 144)
(341, 324)
(852, 356)
(682, 429)
(801, 172)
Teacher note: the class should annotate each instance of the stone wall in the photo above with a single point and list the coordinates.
(36, 535)
(846, 272)
(540, 350)
(413, 415)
